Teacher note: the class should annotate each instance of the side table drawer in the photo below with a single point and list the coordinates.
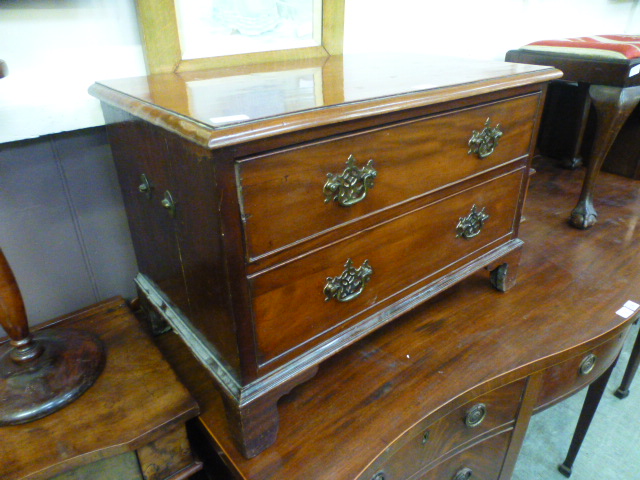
(577, 372)
(427, 441)
(291, 302)
(283, 197)
(480, 462)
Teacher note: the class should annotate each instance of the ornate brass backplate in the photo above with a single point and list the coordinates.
(352, 185)
(484, 142)
(471, 225)
(349, 284)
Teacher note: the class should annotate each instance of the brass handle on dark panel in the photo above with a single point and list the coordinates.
(463, 474)
(484, 142)
(349, 284)
(471, 225)
(588, 364)
(475, 415)
(169, 204)
(145, 186)
(352, 185)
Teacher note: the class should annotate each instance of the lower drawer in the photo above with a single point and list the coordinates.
(428, 440)
(291, 304)
(480, 462)
(577, 372)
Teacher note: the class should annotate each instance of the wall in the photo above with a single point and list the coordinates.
(62, 225)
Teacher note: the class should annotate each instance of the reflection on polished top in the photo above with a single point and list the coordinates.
(217, 107)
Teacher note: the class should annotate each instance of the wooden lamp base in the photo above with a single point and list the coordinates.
(68, 364)
(42, 372)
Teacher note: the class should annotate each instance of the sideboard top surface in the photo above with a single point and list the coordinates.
(460, 344)
(226, 106)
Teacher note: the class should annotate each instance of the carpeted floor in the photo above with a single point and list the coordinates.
(611, 449)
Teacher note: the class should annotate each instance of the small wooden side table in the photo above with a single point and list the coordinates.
(136, 405)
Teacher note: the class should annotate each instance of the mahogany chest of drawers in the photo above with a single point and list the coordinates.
(281, 212)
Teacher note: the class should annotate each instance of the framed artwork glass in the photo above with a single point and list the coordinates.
(183, 35)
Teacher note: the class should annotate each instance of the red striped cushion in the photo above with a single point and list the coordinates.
(617, 46)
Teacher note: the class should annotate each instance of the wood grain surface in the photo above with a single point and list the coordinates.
(461, 344)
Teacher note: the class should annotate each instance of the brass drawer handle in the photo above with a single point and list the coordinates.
(463, 474)
(145, 186)
(476, 415)
(588, 364)
(349, 284)
(169, 204)
(471, 225)
(484, 142)
(352, 185)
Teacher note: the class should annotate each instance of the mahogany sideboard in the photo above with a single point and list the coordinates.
(447, 391)
(136, 410)
(281, 212)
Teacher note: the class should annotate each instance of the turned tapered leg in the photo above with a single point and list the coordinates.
(613, 106)
(629, 373)
(591, 402)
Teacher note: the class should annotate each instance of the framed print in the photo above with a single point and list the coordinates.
(182, 35)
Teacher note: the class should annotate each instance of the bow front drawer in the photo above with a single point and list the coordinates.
(432, 439)
(299, 303)
(295, 194)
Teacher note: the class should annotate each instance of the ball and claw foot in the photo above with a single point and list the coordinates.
(564, 470)
(584, 216)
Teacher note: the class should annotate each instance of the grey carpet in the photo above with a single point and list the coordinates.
(611, 449)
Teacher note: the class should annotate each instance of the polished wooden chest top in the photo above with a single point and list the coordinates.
(281, 212)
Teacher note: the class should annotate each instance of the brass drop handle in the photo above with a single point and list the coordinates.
(588, 364)
(349, 284)
(145, 186)
(484, 142)
(475, 415)
(352, 185)
(471, 225)
(169, 203)
(463, 474)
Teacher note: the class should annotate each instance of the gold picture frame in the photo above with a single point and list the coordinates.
(161, 41)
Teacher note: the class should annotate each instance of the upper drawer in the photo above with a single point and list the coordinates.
(575, 373)
(282, 194)
(295, 303)
(428, 440)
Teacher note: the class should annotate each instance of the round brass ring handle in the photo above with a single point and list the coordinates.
(463, 474)
(588, 364)
(475, 415)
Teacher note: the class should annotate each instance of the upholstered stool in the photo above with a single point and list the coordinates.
(607, 69)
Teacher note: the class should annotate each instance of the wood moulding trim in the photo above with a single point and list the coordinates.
(211, 138)
(281, 377)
